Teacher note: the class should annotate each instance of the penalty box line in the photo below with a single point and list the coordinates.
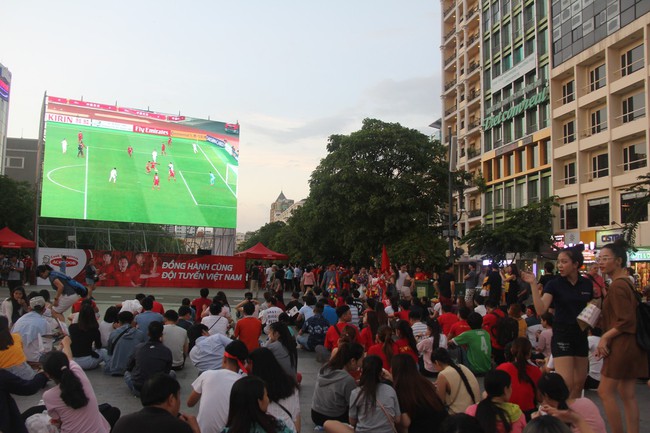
(217, 171)
(194, 199)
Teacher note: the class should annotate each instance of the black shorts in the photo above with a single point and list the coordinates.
(569, 340)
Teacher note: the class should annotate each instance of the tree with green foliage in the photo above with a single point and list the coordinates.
(639, 210)
(381, 185)
(524, 230)
(266, 234)
(17, 201)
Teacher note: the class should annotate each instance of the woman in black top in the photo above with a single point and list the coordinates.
(568, 294)
(84, 334)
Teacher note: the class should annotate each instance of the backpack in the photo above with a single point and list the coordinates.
(505, 330)
(79, 288)
(642, 321)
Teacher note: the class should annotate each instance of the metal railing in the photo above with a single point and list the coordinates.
(629, 69)
(474, 213)
(449, 9)
(472, 11)
(450, 84)
(448, 35)
(450, 110)
(475, 37)
(473, 66)
(450, 59)
(595, 129)
(630, 116)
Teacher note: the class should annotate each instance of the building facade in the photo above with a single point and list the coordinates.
(599, 83)
(280, 205)
(5, 86)
(21, 159)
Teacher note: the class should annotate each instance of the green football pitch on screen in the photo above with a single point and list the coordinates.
(81, 187)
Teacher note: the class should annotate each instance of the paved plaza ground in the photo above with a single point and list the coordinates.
(113, 390)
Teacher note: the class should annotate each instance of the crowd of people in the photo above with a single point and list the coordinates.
(391, 361)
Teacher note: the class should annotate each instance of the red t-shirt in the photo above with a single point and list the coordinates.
(446, 320)
(458, 328)
(248, 330)
(377, 349)
(523, 393)
(366, 339)
(402, 346)
(198, 304)
(77, 305)
(403, 315)
(489, 322)
(332, 336)
(158, 308)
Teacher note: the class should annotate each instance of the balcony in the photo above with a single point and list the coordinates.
(448, 10)
(473, 67)
(447, 36)
(474, 124)
(471, 12)
(450, 110)
(474, 213)
(475, 37)
(473, 94)
(450, 59)
(450, 84)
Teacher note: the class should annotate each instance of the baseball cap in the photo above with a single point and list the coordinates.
(37, 301)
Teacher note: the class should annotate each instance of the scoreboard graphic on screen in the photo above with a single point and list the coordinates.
(103, 162)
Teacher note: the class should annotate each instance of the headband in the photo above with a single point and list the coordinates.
(242, 367)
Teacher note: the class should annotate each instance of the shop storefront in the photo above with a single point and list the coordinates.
(640, 261)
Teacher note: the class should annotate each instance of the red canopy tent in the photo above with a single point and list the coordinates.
(259, 251)
(9, 239)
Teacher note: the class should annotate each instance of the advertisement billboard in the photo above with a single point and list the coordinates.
(110, 163)
(143, 269)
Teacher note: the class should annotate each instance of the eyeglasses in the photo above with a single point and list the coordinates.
(604, 259)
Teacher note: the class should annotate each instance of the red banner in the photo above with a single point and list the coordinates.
(129, 269)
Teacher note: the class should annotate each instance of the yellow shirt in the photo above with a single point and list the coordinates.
(14, 354)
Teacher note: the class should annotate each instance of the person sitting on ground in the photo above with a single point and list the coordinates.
(84, 335)
(216, 323)
(147, 316)
(201, 303)
(558, 423)
(514, 311)
(212, 388)
(405, 342)
(15, 305)
(157, 306)
(283, 389)
(335, 384)
(206, 351)
(185, 317)
(134, 306)
(71, 404)
(148, 359)
(247, 413)
(595, 362)
(456, 385)
(434, 339)
(283, 347)
(161, 398)
(122, 343)
(270, 315)
(383, 347)
(461, 325)
(419, 328)
(175, 338)
(374, 406)
(422, 409)
(555, 395)
(248, 299)
(108, 324)
(32, 327)
(479, 305)
(314, 330)
(12, 357)
(307, 310)
(10, 418)
(249, 327)
(478, 354)
(523, 376)
(334, 332)
(447, 318)
(545, 336)
(495, 414)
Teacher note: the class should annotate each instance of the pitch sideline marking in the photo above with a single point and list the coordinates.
(215, 169)
(57, 183)
(188, 187)
(86, 187)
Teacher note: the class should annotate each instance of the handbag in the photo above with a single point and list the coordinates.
(642, 320)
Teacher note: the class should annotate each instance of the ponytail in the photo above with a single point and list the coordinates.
(520, 350)
(57, 366)
(385, 334)
(489, 413)
(553, 386)
(442, 356)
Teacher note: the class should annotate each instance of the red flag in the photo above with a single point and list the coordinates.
(385, 261)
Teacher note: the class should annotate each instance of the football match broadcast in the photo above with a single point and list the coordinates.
(110, 163)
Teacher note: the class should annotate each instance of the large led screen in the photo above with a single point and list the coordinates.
(104, 162)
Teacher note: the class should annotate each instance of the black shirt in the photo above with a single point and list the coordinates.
(151, 420)
(82, 341)
(569, 300)
(148, 359)
(444, 284)
(544, 279)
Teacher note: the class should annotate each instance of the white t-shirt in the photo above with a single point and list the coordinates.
(214, 387)
(306, 312)
(292, 404)
(215, 324)
(175, 338)
(132, 305)
(270, 316)
(595, 364)
(480, 309)
(105, 330)
(401, 279)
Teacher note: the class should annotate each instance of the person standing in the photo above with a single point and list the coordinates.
(113, 176)
(471, 282)
(569, 294)
(80, 150)
(91, 276)
(16, 270)
(447, 286)
(154, 156)
(623, 360)
(64, 146)
(129, 150)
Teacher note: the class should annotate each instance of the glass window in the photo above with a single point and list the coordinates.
(498, 199)
(507, 131)
(486, 20)
(487, 142)
(521, 162)
(496, 41)
(507, 199)
(519, 127)
(534, 156)
(569, 132)
(498, 139)
(570, 173)
(632, 60)
(598, 212)
(488, 202)
(599, 120)
(518, 54)
(600, 165)
(496, 12)
(542, 43)
(531, 120)
(633, 107)
(488, 171)
(529, 46)
(519, 194)
(505, 35)
(597, 77)
(507, 62)
(496, 70)
(505, 8)
(568, 92)
(487, 79)
(544, 115)
(497, 168)
(516, 26)
(627, 201)
(542, 6)
(569, 216)
(486, 52)
(511, 164)
(634, 156)
(533, 191)
(546, 147)
(546, 187)
(529, 16)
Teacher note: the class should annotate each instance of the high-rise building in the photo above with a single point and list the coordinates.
(462, 95)
(280, 205)
(599, 88)
(5, 85)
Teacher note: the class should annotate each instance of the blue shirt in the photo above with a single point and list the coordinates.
(207, 353)
(145, 318)
(330, 314)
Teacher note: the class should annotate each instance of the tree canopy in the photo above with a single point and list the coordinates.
(524, 230)
(17, 206)
(638, 212)
(383, 184)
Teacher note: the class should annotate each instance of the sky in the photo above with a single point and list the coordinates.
(291, 72)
